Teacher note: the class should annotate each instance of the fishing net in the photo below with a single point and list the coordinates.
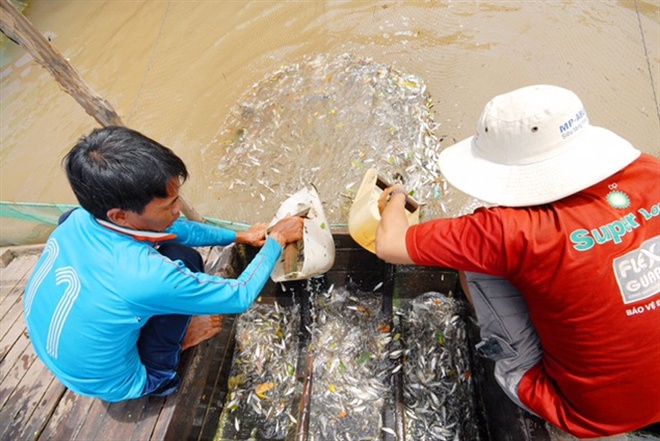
(47, 214)
(32, 222)
(26, 223)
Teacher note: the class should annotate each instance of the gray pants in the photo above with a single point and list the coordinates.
(507, 334)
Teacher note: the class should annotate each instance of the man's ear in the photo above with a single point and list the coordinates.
(117, 216)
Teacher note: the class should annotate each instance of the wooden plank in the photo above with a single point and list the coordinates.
(42, 412)
(14, 367)
(25, 397)
(12, 319)
(96, 413)
(100, 420)
(68, 418)
(11, 322)
(197, 367)
(12, 337)
(409, 283)
(145, 425)
(8, 254)
(164, 417)
(120, 419)
(218, 386)
(114, 421)
(14, 279)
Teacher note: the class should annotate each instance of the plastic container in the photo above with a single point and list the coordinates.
(364, 216)
(315, 254)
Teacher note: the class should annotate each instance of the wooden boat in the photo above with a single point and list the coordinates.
(34, 405)
(499, 418)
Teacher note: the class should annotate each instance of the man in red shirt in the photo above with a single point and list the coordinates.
(563, 270)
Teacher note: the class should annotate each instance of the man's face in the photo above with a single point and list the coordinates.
(160, 213)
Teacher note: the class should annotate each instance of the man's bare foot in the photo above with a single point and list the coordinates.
(201, 328)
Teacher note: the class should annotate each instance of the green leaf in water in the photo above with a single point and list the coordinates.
(363, 358)
(235, 381)
(440, 337)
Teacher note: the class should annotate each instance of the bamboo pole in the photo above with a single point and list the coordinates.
(17, 28)
(14, 24)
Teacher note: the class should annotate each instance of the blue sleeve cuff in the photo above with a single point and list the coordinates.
(231, 236)
(275, 245)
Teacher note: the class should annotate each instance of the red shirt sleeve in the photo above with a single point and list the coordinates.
(468, 243)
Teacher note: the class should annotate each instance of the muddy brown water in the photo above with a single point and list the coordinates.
(175, 70)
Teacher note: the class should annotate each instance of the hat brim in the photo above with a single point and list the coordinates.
(597, 154)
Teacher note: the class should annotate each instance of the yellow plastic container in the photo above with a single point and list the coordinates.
(364, 216)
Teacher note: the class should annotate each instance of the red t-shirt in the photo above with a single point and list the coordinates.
(589, 268)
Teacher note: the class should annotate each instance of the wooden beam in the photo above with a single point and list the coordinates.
(17, 28)
(14, 24)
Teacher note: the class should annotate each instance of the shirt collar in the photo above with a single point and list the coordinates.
(145, 236)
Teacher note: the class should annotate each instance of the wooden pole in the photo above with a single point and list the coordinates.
(14, 24)
(17, 28)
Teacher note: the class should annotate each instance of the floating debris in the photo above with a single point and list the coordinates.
(438, 390)
(262, 382)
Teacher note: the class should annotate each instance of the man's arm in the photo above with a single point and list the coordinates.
(197, 234)
(287, 230)
(392, 228)
(255, 235)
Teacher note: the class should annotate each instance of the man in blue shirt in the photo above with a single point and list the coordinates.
(110, 302)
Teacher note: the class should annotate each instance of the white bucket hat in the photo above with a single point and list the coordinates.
(533, 146)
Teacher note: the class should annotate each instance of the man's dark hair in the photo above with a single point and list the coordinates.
(116, 167)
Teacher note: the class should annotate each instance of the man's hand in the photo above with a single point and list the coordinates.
(255, 235)
(287, 230)
(386, 195)
(393, 225)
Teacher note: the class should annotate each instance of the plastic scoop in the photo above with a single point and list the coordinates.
(364, 216)
(315, 253)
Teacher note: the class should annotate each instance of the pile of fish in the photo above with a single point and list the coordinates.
(438, 390)
(352, 367)
(329, 118)
(262, 382)
(366, 365)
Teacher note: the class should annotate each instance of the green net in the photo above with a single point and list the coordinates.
(33, 211)
(48, 214)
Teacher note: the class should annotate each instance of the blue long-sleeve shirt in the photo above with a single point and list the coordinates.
(94, 287)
